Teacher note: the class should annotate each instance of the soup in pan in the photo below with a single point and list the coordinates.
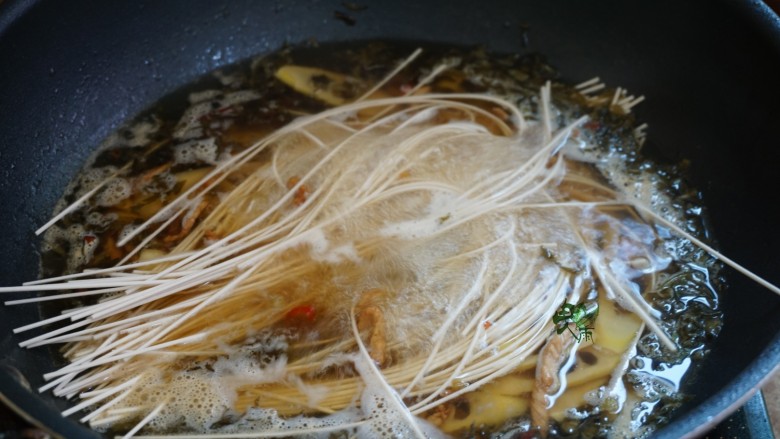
(376, 241)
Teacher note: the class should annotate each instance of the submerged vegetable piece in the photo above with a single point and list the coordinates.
(615, 327)
(329, 87)
(484, 408)
(574, 397)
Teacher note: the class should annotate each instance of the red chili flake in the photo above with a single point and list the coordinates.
(592, 125)
(89, 239)
(302, 312)
(487, 324)
(301, 193)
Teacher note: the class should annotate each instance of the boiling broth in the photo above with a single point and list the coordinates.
(379, 268)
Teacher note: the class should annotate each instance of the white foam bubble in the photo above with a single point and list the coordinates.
(204, 95)
(141, 132)
(196, 151)
(384, 411)
(239, 97)
(126, 231)
(204, 103)
(92, 177)
(100, 220)
(116, 191)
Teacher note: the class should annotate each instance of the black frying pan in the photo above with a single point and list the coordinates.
(72, 71)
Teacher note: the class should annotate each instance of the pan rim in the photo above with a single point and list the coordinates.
(743, 383)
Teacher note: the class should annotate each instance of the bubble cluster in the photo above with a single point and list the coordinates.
(116, 191)
(80, 242)
(196, 151)
(208, 103)
(100, 220)
(126, 231)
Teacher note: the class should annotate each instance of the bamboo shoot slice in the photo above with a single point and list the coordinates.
(574, 397)
(324, 85)
(614, 328)
(485, 409)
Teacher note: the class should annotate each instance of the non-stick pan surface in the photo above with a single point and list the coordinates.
(72, 71)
